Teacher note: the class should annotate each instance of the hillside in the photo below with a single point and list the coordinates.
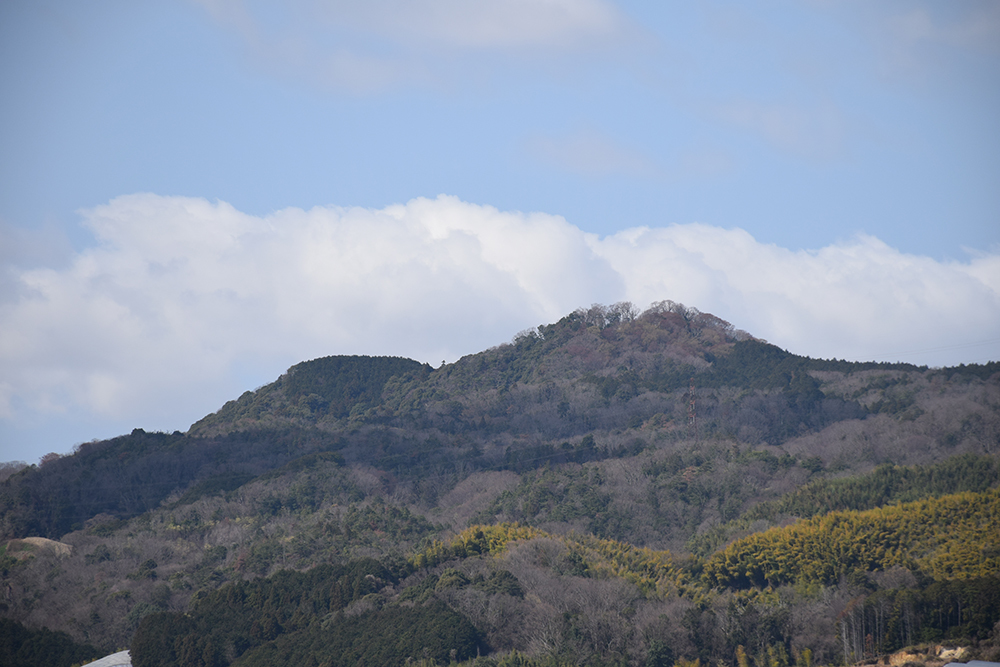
(636, 458)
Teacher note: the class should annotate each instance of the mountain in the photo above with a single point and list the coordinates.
(599, 490)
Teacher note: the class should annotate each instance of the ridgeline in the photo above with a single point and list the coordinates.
(614, 488)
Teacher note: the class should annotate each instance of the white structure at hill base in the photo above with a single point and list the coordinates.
(120, 659)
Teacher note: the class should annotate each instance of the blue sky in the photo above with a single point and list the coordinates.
(186, 187)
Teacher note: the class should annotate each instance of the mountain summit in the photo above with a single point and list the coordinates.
(598, 490)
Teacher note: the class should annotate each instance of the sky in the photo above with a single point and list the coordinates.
(197, 194)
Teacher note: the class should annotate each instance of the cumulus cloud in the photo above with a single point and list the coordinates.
(179, 290)
(181, 299)
(856, 300)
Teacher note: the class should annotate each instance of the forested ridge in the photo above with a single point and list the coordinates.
(615, 488)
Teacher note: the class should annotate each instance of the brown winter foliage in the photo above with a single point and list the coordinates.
(615, 488)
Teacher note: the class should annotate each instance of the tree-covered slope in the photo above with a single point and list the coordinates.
(947, 537)
(599, 383)
(629, 448)
(592, 601)
(295, 618)
(887, 484)
(321, 390)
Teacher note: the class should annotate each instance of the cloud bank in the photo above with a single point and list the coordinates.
(183, 301)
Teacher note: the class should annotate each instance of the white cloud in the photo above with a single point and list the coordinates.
(853, 300)
(179, 290)
(503, 24)
(817, 133)
(371, 46)
(974, 26)
(182, 298)
(918, 39)
(591, 153)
